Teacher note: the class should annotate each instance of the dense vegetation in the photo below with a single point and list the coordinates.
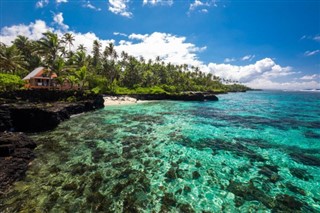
(102, 71)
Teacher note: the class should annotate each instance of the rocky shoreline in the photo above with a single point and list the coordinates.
(33, 111)
(190, 96)
(16, 153)
(43, 110)
(112, 100)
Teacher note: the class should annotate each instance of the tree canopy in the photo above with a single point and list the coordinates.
(106, 71)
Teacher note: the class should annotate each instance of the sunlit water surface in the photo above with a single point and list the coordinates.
(254, 151)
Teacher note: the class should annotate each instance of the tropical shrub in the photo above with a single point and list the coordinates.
(10, 82)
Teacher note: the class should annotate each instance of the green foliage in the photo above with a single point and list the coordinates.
(71, 99)
(105, 71)
(236, 88)
(12, 60)
(169, 89)
(139, 90)
(10, 82)
(97, 84)
(149, 90)
(123, 91)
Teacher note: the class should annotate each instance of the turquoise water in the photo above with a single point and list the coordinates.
(248, 152)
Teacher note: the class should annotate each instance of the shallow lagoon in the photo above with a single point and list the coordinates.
(254, 151)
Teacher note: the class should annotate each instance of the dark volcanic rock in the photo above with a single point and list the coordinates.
(196, 175)
(5, 121)
(271, 172)
(42, 110)
(311, 134)
(171, 174)
(192, 96)
(248, 192)
(218, 145)
(280, 203)
(34, 111)
(32, 119)
(210, 97)
(15, 155)
(305, 159)
(301, 174)
(287, 203)
(295, 189)
(42, 95)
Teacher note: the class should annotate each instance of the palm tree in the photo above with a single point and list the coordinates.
(50, 48)
(22, 43)
(12, 60)
(158, 59)
(141, 59)
(81, 76)
(26, 47)
(96, 53)
(80, 59)
(68, 38)
(59, 66)
(110, 52)
(81, 48)
(115, 55)
(124, 55)
(132, 74)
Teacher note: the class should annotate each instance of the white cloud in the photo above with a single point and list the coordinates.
(228, 60)
(303, 37)
(291, 85)
(168, 47)
(87, 40)
(197, 3)
(88, 4)
(32, 31)
(58, 19)
(317, 38)
(138, 36)
(42, 3)
(155, 2)
(265, 68)
(120, 7)
(248, 57)
(264, 73)
(202, 4)
(204, 11)
(310, 77)
(120, 34)
(311, 53)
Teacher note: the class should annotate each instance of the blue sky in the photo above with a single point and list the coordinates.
(264, 44)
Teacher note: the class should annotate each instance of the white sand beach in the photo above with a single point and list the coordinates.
(120, 100)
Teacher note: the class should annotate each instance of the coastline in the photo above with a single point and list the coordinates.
(112, 100)
(121, 100)
(243, 153)
(43, 110)
(31, 111)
